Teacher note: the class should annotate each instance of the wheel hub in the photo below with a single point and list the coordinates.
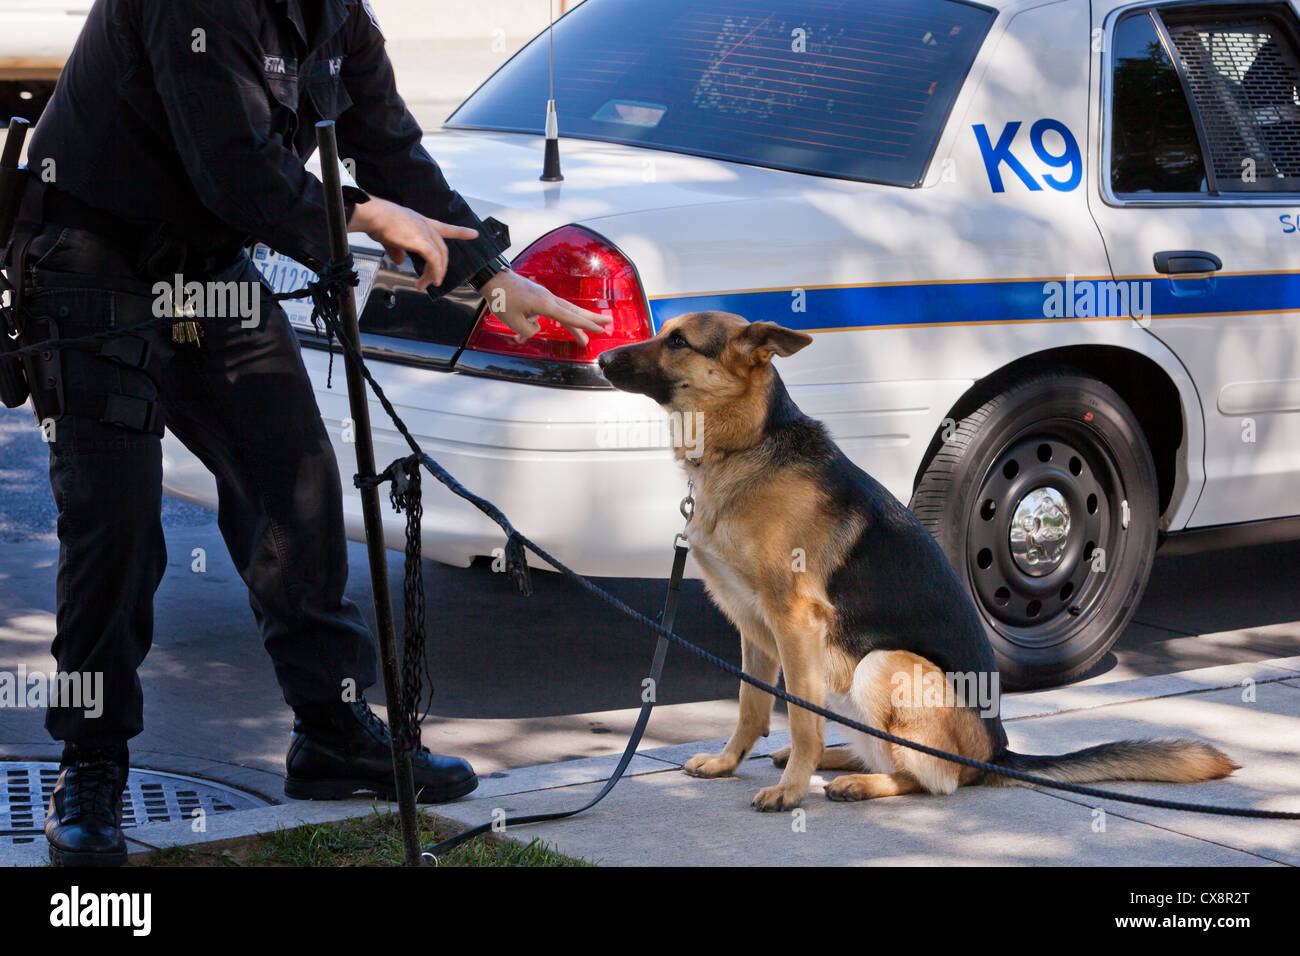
(1047, 504)
(1040, 530)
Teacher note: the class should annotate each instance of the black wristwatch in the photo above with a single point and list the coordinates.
(353, 196)
(494, 266)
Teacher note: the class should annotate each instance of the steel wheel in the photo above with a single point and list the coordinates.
(1044, 500)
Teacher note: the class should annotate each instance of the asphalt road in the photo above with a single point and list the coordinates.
(517, 680)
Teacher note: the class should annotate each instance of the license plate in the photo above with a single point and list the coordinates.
(283, 274)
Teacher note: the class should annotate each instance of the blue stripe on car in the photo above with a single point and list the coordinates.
(1001, 301)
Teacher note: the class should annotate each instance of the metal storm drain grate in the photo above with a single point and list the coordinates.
(151, 797)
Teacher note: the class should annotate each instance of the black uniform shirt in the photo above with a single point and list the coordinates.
(200, 113)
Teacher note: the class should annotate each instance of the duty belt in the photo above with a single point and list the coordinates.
(155, 249)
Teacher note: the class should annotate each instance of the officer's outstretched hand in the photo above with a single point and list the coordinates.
(516, 300)
(400, 230)
(512, 298)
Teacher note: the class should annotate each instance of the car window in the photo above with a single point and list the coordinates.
(858, 90)
(1238, 67)
(1242, 72)
(1153, 143)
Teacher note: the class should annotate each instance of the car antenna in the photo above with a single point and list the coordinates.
(551, 163)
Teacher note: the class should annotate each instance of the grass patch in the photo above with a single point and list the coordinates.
(367, 841)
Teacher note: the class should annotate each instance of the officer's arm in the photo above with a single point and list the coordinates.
(383, 138)
(208, 71)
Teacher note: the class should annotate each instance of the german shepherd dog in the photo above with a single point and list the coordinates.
(831, 580)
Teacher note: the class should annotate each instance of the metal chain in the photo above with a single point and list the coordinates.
(416, 677)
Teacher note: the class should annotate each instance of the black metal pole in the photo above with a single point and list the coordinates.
(18, 128)
(11, 175)
(329, 158)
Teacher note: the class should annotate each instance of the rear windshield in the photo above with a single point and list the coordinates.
(857, 89)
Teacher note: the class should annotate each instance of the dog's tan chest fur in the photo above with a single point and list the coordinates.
(730, 583)
(766, 557)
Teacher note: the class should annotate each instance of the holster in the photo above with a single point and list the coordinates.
(45, 374)
(13, 378)
(132, 402)
(116, 405)
(127, 399)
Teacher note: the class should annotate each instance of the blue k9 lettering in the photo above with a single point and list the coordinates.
(1065, 157)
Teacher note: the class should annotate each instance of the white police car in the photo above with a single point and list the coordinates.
(1047, 250)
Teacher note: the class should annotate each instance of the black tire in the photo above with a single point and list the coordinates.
(1051, 612)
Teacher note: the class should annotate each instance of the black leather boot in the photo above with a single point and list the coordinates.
(84, 820)
(340, 749)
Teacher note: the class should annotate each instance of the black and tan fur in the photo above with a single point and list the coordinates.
(832, 581)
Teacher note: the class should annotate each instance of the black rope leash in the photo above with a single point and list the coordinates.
(324, 294)
(102, 336)
(333, 279)
(517, 565)
(666, 616)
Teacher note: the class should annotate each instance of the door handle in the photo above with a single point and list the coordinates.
(1176, 262)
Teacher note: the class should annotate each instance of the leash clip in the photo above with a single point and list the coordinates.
(687, 508)
(401, 480)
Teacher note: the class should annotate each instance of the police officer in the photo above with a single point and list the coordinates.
(177, 136)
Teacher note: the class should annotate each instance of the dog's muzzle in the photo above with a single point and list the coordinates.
(622, 370)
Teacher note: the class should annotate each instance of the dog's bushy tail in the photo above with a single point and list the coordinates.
(1174, 761)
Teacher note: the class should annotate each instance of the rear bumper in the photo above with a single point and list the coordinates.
(569, 467)
(587, 474)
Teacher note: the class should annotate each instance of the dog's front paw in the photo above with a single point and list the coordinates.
(710, 765)
(848, 788)
(781, 797)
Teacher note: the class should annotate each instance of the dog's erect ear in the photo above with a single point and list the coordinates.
(762, 340)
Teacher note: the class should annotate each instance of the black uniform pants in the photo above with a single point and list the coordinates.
(242, 403)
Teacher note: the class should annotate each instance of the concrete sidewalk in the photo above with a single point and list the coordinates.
(659, 817)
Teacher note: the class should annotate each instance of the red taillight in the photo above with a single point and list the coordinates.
(582, 268)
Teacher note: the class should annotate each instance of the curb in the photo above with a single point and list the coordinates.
(1061, 700)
